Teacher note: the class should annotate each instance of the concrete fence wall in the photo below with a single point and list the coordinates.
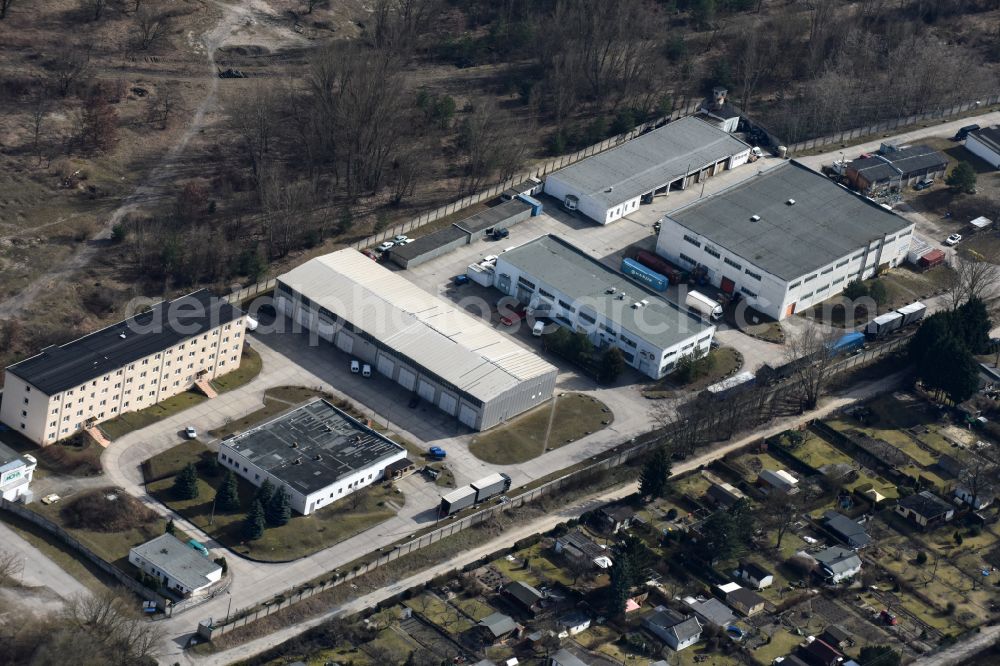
(632, 450)
(167, 605)
(890, 125)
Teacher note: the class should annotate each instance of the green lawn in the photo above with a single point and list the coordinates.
(129, 421)
(440, 612)
(391, 644)
(474, 607)
(751, 464)
(250, 365)
(782, 643)
(76, 456)
(530, 435)
(172, 461)
(303, 535)
(725, 361)
(815, 452)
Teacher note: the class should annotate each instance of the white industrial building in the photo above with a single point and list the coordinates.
(580, 293)
(178, 566)
(16, 472)
(985, 143)
(610, 185)
(425, 344)
(786, 239)
(316, 452)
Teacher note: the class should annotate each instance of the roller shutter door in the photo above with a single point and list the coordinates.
(467, 415)
(385, 365)
(345, 341)
(426, 390)
(448, 403)
(407, 379)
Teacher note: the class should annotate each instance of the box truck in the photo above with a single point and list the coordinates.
(883, 325)
(846, 344)
(457, 500)
(704, 305)
(912, 313)
(487, 487)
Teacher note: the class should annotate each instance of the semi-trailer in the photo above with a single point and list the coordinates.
(644, 275)
(701, 303)
(456, 500)
(912, 313)
(475, 492)
(491, 485)
(883, 325)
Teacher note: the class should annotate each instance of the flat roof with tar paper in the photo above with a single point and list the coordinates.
(166, 324)
(312, 446)
(826, 222)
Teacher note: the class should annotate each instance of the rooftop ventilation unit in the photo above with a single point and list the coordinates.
(644, 302)
(122, 335)
(637, 305)
(610, 290)
(755, 218)
(620, 297)
(790, 202)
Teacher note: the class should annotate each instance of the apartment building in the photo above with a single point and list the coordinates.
(121, 368)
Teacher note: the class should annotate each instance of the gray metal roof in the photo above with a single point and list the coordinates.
(178, 560)
(312, 446)
(899, 162)
(586, 281)
(845, 528)
(683, 628)
(989, 137)
(9, 458)
(837, 559)
(427, 242)
(713, 611)
(926, 504)
(428, 331)
(493, 216)
(826, 222)
(498, 624)
(650, 161)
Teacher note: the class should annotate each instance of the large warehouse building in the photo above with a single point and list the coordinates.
(420, 341)
(580, 293)
(316, 452)
(786, 239)
(610, 185)
(127, 366)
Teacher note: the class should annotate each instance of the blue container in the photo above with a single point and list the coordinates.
(536, 205)
(848, 343)
(644, 275)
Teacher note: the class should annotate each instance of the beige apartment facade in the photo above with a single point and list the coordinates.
(125, 367)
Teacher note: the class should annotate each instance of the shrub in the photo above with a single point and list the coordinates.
(106, 510)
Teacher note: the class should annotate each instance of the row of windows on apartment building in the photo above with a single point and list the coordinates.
(112, 409)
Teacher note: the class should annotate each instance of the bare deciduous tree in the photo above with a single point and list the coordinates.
(95, 8)
(809, 352)
(4, 6)
(11, 565)
(973, 276)
(39, 110)
(150, 27)
(68, 66)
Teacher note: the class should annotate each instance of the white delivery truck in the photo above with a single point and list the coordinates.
(701, 303)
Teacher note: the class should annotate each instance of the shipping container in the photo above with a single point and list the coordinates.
(660, 265)
(536, 205)
(706, 306)
(912, 313)
(848, 343)
(457, 500)
(644, 275)
(487, 487)
(881, 326)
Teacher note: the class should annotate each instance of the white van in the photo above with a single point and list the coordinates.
(355, 367)
(538, 329)
(366, 370)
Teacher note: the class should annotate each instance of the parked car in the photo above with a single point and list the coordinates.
(888, 618)
(438, 453)
(400, 239)
(922, 185)
(371, 255)
(964, 132)
(191, 432)
(500, 234)
(515, 316)
(366, 370)
(954, 239)
(459, 280)
(386, 246)
(51, 498)
(489, 258)
(355, 367)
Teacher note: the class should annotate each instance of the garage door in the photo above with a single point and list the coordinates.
(448, 403)
(345, 341)
(728, 285)
(426, 390)
(467, 415)
(407, 379)
(385, 365)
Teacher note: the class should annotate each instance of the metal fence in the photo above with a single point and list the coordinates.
(685, 108)
(634, 449)
(243, 294)
(890, 125)
(168, 605)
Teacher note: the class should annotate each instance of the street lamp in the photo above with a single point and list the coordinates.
(230, 607)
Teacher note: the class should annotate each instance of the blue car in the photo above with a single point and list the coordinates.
(459, 280)
(438, 452)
